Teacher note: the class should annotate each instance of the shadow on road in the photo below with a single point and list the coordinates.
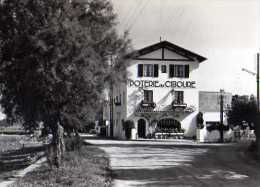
(179, 164)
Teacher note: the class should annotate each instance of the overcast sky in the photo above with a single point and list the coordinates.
(226, 32)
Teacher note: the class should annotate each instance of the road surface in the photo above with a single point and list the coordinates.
(179, 163)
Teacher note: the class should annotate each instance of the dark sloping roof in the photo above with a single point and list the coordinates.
(170, 46)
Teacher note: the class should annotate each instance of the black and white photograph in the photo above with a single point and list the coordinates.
(129, 93)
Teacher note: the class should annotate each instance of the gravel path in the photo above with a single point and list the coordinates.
(179, 163)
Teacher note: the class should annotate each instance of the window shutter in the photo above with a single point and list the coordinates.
(140, 70)
(150, 97)
(187, 71)
(171, 71)
(182, 97)
(155, 70)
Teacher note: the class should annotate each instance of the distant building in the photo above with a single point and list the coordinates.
(209, 105)
(161, 94)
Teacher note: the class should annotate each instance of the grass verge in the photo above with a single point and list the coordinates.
(85, 167)
(11, 142)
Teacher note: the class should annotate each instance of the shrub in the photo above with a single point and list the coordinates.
(128, 125)
(92, 131)
(182, 130)
(200, 121)
(73, 143)
(217, 127)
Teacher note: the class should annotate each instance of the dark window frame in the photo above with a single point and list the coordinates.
(148, 70)
(164, 68)
(179, 71)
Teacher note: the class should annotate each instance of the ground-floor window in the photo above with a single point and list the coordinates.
(168, 125)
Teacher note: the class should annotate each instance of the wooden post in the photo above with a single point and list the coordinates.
(221, 116)
(257, 83)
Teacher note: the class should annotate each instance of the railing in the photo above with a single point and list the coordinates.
(178, 105)
(148, 104)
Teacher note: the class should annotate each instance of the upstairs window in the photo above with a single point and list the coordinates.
(164, 68)
(147, 70)
(148, 96)
(180, 71)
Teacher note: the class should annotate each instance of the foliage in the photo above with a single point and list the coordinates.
(243, 109)
(200, 120)
(58, 52)
(216, 126)
(128, 125)
(92, 131)
(54, 60)
(73, 143)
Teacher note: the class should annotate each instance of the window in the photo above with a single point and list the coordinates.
(147, 70)
(178, 97)
(148, 96)
(164, 68)
(181, 71)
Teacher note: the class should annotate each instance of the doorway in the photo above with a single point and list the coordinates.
(141, 128)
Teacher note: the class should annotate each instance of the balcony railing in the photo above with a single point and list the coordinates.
(148, 104)
(176, 104)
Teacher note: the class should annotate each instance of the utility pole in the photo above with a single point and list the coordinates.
(221, 116)
(257, 82)
(111, 112)
(111, 101)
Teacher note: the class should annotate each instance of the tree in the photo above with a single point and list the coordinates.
(128, 126)
(244, 109)
(200, 120)
(53, 63)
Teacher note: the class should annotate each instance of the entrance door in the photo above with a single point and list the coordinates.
(141, 128)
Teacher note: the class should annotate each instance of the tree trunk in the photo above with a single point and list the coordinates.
(57, 146)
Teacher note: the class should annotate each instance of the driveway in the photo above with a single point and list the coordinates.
(179, 163)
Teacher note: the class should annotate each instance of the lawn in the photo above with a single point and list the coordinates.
(11, 142)
(17, 152)
(87, 167)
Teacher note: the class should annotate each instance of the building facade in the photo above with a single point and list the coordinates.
(161, 94)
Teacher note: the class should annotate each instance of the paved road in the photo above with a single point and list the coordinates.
(179, 163)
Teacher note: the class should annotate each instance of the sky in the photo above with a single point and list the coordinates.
(226, 32)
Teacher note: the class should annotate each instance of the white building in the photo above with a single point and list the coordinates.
(161, 93)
